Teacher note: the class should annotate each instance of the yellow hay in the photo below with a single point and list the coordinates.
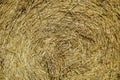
(59, 39)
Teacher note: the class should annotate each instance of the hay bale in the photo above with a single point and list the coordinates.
(59, 39)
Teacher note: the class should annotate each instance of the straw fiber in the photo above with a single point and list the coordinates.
(59, 39)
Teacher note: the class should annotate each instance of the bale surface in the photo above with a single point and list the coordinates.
(59, 39)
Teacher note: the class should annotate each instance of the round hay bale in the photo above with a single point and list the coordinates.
(59, 39)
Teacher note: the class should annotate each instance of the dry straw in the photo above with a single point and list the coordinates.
(59, 39)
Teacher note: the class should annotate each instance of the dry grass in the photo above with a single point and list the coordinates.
(59, 39)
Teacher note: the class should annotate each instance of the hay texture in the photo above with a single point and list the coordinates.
(59, 39)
